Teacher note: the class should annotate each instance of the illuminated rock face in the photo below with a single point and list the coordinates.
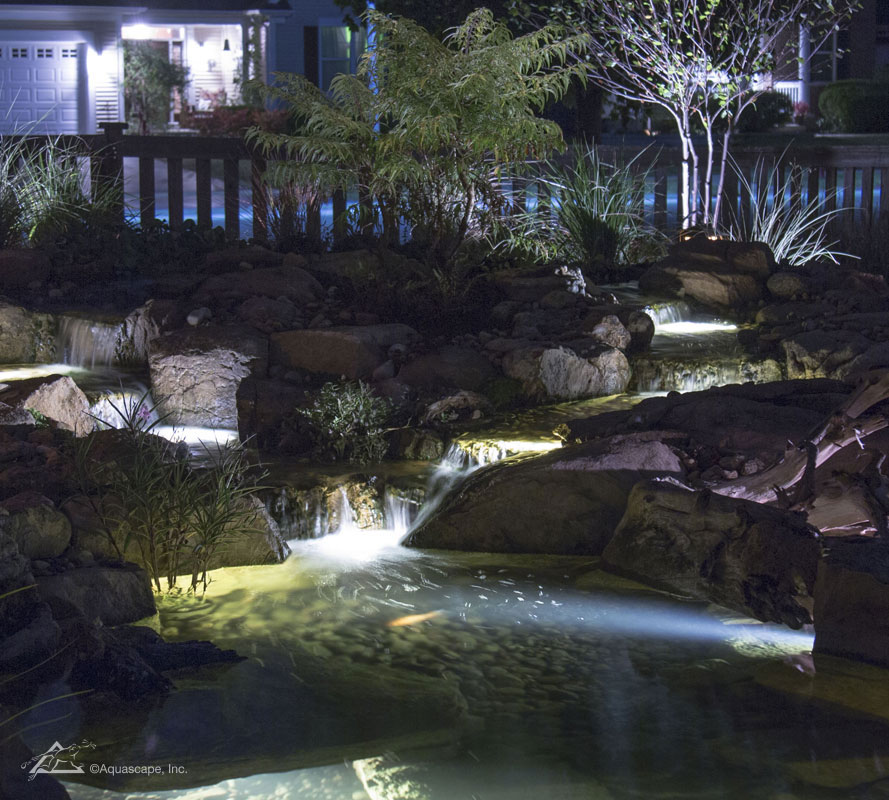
(196, 372)
(718, 274)
(561, 373)
(755, 559)
(56, 397)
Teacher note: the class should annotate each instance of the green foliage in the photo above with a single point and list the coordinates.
(348, 422)
(796, 235)
(42, 193)
(444, 123)
(149, 79)
(40, 419)
(598, 214)
(178, 516)
(767, 111)
(855, 106)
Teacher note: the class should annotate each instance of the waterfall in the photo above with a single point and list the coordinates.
(347, 506)
(87, 343)
(668, 312)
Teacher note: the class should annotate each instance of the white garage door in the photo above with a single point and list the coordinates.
(38, 87)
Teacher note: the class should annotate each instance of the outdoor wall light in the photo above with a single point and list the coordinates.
(226, 47)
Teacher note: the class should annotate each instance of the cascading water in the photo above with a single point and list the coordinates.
(87, 343)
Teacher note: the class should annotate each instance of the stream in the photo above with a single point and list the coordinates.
(376, 672)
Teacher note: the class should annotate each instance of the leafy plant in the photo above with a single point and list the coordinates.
(796, 234)
(348, 422)
(178, 516)
(427, 129)
(598, 214)
(149, 78)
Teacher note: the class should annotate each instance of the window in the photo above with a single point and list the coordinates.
(339, 51)
(69, 52)
(44, 52)
(19, 52)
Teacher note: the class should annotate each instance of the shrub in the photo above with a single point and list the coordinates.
(768, 110)
(177, 515)
(855, 106)
(348, 422)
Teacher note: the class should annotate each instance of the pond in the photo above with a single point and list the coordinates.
(376, 672)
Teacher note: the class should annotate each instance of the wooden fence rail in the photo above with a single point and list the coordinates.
(852, 177)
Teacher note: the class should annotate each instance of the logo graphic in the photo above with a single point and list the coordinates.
(57, 760)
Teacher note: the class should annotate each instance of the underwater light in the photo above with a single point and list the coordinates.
(694, 327)
(196, 435)
(351, 545)
(37, 371)
(519, 446)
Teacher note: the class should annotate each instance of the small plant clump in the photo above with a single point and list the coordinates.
(348, 422)
(178, 516)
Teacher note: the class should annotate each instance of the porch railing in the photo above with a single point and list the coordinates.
(850, 178)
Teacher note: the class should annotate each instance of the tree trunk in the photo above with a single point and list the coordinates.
(723, 162)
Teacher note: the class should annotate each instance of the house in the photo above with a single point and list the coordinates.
(61, 62)
(859, 50)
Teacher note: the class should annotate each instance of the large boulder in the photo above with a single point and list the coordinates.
(559, 373)
(852, 600)
(292, 283)
(755, 559)
(353, 351)
(55, 397)
(114, 595)
(39, 530)
(448, 368)
(720, 274)
(195, 373)
(26, 337)
(566, 502)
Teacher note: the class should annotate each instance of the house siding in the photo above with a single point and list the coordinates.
(107, 83)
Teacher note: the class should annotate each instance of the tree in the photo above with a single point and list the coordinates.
(444, 124)
(148, 81)
(699, 60)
